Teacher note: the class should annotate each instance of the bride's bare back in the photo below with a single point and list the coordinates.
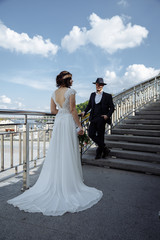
(60, 95)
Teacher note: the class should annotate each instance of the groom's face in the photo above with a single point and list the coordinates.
(99, 87)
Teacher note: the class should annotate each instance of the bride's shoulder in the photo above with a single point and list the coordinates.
(71, 91)
(53, 94)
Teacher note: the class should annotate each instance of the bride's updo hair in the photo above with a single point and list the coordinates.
(63, 79)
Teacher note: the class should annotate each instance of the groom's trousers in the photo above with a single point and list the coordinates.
(97, 130)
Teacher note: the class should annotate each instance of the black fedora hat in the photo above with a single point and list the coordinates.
(100, 81)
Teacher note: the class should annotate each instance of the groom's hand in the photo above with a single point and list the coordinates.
(105, 117)
(82, 114)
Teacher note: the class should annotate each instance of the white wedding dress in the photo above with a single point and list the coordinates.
(60, 188)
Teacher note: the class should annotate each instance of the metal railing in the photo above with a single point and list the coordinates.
(131, 100)
(126, 104)
(25, 136)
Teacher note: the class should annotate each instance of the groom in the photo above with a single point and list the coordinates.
(102, 107)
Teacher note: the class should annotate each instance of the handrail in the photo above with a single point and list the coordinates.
(139, 85)
(23, 112)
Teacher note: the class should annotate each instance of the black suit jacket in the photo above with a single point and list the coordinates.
(106, 103)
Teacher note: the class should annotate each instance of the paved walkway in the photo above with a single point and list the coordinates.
(128, 210)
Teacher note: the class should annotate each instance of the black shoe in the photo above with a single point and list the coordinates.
(98, 153)
(106, 152)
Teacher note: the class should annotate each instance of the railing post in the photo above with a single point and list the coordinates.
(20, 150)
(115, 113)
(158, 89)
(31, 145)
(134, 101)
(11, 149)
(121, 109)
(114, 117)
(2, 152)
(155, 89)
(26, 156)
(109, 129)
(44, 143)
(153, 92)
(50, 135)
(149, 96)
(117, 107)
(38, 144)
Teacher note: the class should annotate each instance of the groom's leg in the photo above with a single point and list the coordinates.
(92, 131)
(100, 132)
(93, 135)
(96, 131)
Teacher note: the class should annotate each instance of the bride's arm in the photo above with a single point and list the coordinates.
(53, 107)
(74, 113)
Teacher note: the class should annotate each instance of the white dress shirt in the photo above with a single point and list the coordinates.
(98, 97)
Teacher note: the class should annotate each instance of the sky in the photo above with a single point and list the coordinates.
(117, 40)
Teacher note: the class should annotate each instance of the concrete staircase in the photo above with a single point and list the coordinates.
(134, 143)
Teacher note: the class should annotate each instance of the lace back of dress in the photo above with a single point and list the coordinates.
(66, 106)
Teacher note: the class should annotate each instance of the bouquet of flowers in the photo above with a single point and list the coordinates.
(84, 139)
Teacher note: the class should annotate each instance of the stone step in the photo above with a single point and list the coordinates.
(153, 104)
(126, 154)
(134, 139)
(122, 164)
(134, 146)
(138, 116)
(142, 121)
(152, 108)
(136, 132)
(150, 112)
(134, 143)
(138, 126)
(134, 155)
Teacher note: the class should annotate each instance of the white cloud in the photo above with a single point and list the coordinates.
(113, 81)
(41, 84)
(109, 34)
(7, 103)
(138, 73)
(75, 39)
(21, 42)
(123, 3)
(19, 104)
(125, 18)
(110, 75)
(133, 75)
(5, 99)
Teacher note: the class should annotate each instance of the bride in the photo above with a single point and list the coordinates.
(60, 188)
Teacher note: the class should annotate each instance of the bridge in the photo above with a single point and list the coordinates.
(129, 177)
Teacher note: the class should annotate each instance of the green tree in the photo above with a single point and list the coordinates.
(80, 107)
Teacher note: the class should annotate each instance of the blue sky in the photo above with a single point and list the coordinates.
(114, 39)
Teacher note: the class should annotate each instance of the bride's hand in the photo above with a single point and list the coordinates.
(81, 132)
